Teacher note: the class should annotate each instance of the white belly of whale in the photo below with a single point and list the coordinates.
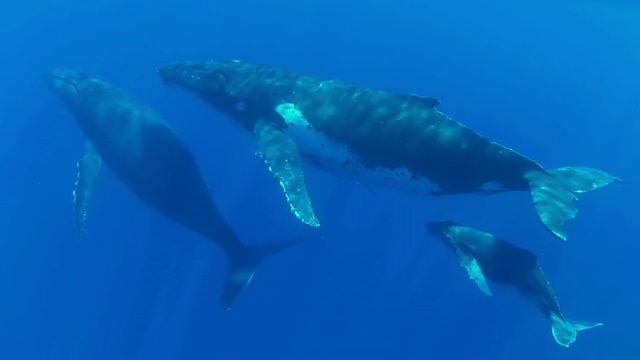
(334, 157)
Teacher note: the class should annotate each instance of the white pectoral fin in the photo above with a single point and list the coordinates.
(88, 169)
(281, 155)
(474, 271)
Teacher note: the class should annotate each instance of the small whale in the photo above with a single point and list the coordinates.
(375, 137)
(154, 163)
(485, 256)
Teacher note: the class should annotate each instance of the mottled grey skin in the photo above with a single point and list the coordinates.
(484, 255)
(389, 131)
(149, 157)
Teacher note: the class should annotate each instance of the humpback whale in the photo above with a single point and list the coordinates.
(485, 256)
(400, 140)
(149, 157)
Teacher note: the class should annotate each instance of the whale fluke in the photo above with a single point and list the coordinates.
(243, 265)
(553, 193)
(565, 331)
(581, 179)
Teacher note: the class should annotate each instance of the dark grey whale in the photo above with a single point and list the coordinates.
(150, 158)
(485, 256)
(400, 140)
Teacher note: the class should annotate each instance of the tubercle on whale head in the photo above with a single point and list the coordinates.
(195, 76)
(172, 74)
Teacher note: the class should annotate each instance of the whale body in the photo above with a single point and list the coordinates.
(487, 257)
(154, 163)
(400, 140)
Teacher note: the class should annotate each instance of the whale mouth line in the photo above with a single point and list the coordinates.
(65, 81)
(165, 76)
(167, 81)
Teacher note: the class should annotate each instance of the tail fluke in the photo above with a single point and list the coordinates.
(553, 193)
(580, 179)
(242, 267)
(565, 331)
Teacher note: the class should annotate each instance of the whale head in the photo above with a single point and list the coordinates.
(76, 88)
(67, 84)
(214, 80)
(440, 228)
(452, 234)
(196, 76)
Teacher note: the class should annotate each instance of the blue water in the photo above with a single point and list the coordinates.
(556, 80)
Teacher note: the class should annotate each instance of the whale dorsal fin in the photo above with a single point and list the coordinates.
(426, 101)
(280, 153)
(88, 169)
(474, 271)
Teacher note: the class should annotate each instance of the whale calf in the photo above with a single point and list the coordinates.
(149, 157)
(400, 140)
(485, 256)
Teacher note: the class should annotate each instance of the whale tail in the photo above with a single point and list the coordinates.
(565, 331)
(555, 190)
(243, 265)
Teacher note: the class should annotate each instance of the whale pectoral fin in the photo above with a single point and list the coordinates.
(280, 153)
(554, 192)
(474, 271)
(88, 169)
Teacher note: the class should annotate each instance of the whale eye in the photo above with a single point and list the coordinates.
(241, 106)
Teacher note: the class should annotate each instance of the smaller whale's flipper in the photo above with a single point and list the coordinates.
(280, 153)
(474, 271)
(553, 193)
(565, 331)
(242, 267)
(88, 169)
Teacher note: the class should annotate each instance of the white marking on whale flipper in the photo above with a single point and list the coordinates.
(88, 169)
(281, 155)
(474, 271)
(311, 141)
(335, 157)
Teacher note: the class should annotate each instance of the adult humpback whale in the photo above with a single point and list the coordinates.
(145, 153)
(398, 139)
(485, 256)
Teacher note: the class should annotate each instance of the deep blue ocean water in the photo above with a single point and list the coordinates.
(555, 80)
